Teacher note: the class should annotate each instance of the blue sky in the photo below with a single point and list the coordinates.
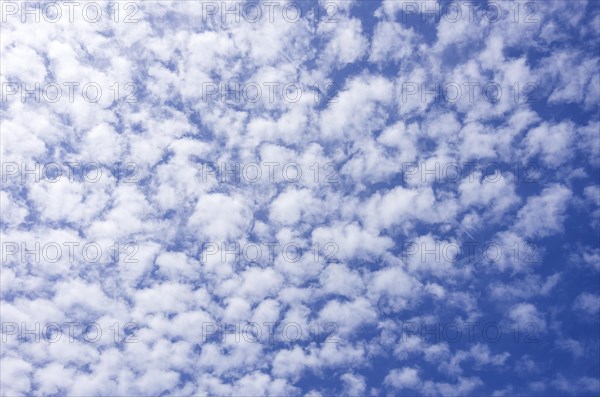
(368, 198)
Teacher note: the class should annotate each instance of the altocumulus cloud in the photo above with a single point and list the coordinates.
(303, 197)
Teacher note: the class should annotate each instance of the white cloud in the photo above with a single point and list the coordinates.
(543, 215)
(405, 378)
(586, 302)
(525, 313)
(220, 218)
